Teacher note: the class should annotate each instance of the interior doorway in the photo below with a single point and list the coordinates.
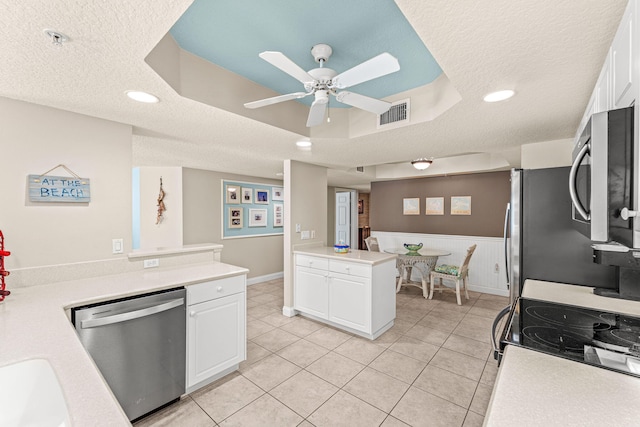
(346, 218)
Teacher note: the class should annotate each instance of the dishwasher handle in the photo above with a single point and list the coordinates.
(136, 314)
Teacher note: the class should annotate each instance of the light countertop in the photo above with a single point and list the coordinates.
(34, 324)
(354, 255)
(536, 389)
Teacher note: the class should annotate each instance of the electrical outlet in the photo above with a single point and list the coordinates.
(150, 263)
(313, 234)
(298, 228)
(117, 246)
(304, 235)
(496, 268)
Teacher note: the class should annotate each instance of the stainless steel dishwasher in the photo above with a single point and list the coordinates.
(138, 344)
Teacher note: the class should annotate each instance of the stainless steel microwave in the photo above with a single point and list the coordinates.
(602, 182)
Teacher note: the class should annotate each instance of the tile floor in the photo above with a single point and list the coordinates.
(433, 368)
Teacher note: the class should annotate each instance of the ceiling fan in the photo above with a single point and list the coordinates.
(321, 82)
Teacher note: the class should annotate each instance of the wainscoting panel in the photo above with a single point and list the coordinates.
(486, 269)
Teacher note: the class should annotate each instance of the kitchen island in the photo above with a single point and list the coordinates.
(354, 291)
(35, 323)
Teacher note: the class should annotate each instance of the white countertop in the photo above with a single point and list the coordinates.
(581, 296)
(34, 324)
(354, 255)
(536, 389)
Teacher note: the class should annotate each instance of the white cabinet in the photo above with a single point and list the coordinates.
(216, 329)
(356, 296)
(623, 58)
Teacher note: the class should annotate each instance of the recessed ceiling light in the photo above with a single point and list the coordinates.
(303, 144)
(140, 96)
(500, 95)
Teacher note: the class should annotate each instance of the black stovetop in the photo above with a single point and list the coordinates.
(585, 335)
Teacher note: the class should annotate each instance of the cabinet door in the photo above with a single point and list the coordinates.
(622, 61)
(311, 294)
(350, 301)
(216, 336)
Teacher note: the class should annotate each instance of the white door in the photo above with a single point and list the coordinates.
(343, 217)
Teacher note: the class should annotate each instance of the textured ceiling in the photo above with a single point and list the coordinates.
(549, 51)
(231, 34)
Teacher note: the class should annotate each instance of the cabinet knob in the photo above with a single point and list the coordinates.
(626, 213)
(219, 288)
(192, 314)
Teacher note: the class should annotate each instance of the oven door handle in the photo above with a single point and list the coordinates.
(573, 192)
(496, 350)
(130, 315)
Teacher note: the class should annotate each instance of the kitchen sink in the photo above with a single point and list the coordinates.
(32, 395)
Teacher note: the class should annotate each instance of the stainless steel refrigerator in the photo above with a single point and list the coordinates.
(540, 239)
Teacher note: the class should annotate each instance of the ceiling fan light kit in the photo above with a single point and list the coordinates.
(421, 164)
(321, 82)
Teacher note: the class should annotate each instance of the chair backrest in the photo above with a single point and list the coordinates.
(372, 244)
(464, 267)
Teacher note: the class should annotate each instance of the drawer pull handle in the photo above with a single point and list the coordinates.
(219, 288)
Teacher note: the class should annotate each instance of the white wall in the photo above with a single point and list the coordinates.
(548, 154)
(33, 139)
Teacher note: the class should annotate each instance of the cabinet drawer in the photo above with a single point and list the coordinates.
(214, 289)
(350, 268)
(312, 262)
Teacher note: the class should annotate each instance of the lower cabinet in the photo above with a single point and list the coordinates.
(216, 329)
(360, 297)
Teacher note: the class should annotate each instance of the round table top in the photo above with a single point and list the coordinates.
(426, 252)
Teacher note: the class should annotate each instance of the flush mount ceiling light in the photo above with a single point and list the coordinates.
(303, 144)
(422, 164)
(57, 39)
(140, 96)
(500, 95)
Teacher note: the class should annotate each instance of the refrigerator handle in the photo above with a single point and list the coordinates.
(507, 217)
(572, 182)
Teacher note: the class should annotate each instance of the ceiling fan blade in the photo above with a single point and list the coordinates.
(378, 66)
(363, 102)
(276, 99)
(279, 60)
(316, 113)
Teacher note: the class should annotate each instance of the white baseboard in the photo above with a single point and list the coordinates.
(288, 311)
(486, 290)
(265, 278)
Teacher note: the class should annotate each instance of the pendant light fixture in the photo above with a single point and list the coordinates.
(421, 164)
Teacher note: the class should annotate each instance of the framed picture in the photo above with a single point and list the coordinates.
(278, 215)
(233, 194)
(460, 205)
(277, 193)
(247, 195)
(411, 206)
(235, 218)
(434, 206)
(262, 197)
(257, 217)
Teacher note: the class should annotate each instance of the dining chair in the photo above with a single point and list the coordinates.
(372, 244)
(454, 273)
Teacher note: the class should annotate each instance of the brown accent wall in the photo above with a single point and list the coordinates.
(490, 193)
(363, 218)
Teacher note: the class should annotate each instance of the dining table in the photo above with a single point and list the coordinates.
(423, 260)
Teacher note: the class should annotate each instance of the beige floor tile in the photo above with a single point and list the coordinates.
(458, 363)
(434, 321)
(335, 368)
(256, 328)
(227, 398)
(277, 319)
(430, 335)
(265, 298)
(454, 388)
(452, 312)
(399, 366)
(408, 314)
(301, 327)
(303, 353)
(393, 422)
(328, 337)
(270, 371)
(304, 392)
(275, 340)
(259, 311)
(385, 340)
(346, 410)
(185, 412)
(489, 313)
(475, 327)
(359, 349)
(419, 408)
(402, 326)
(473, 420)
(467, 346)
(414, 348)
(377, 389)
(481, 399)
(490, 373)
(255, 353)
(265, 411)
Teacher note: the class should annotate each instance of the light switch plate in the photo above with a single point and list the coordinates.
(117, 245)
(304, 235)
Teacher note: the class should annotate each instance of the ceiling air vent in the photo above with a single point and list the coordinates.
(360, 169)
(398, 115)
